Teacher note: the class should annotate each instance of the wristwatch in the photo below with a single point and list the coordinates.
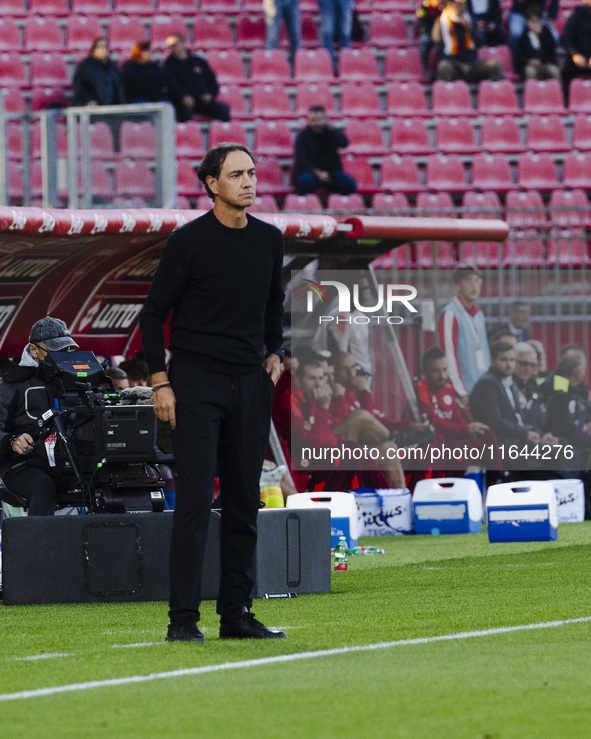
(279, 352)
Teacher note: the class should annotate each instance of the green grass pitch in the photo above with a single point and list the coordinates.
(523, 683)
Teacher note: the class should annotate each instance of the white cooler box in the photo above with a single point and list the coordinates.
(343, 513)
(522, 511)
(447, 505)
(383, 511)
(570, 499)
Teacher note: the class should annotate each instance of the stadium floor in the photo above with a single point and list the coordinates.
(485, 679)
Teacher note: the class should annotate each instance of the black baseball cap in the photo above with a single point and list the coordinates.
(52, 333)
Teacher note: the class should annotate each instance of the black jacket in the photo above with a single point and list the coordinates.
(318, 151)
(24, 396)
(490, 404)
(192, 76)
(576, 36)
(567, 412)
(524, 52)
(520, 6)
(99, 81)
(148, 82)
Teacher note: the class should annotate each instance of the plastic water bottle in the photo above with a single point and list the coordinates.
(340, 555)
(356, 551)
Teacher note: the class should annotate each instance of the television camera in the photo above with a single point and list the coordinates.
(109, 445)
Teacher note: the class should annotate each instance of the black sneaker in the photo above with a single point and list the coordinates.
(247, 627)
(183, 631)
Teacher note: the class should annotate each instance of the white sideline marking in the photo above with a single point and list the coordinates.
(34, 657)
(491, 567)
(139, 644)
(190, 671)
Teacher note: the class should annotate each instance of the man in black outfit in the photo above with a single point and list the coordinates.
(576, 41)
(196, 81)
(221, 276)
(317, 161)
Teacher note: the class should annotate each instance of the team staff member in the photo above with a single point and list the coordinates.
(221, 277)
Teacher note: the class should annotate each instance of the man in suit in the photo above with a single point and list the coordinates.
(516, 323)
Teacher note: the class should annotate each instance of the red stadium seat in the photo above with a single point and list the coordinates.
(575, 170)
(582, 133)
(406, 99)
(90, 7)
(273, 138)
(101, 141)
(543, 96)
(270, 101)
(43, 34)
(527, 220)
(345, 203)
(501, 135)
(44, 97)
(134, 7)
(361, 170)
(451, 99)
(570, 217)
(81, 32)
(308, 95)
(483, 205)
(313, 65)
(269, 67)
(403, 64)
(387, 30)
(250, 31)
(478, 205)
(391, 204)
(365, 137)
(455, 136)
(309, 32)
(12, 70)
(134, 179)
(227, 65)
(15, 181)
(410, 136)
(138, 140)
(537, 172)
(14, 102)
(302, 203)
(270, 178)
(435, 201)
(446, 173)
(49, 7)
(497, 98)
(189, 140)
(525, 209)
(211, 32)
(183, 202)
(13, 8)
(546, 133)
(204, 202)
(358, 65)
(124, 33)
(100, 180)
(400, 174)
(579, 95)
(231, 131)
(264, 204)
(184, 7)
(10, 38)
(232, 95)
(502, 55)
(187, 183)
(388, 6)
(360, 101)
(491, 172)
(49, 70)
(14, 137)
(572, 209)
(163, 26)
(226, 7)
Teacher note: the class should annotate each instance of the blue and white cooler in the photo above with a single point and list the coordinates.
(522, 511)
(343, 513)
(447, 505)
(383, 511)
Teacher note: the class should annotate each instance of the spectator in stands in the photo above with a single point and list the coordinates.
(137, 371)
(119, 377)
(535, 51)
(289, 10)
(195, 81)
(518, 18)
(516, 323)
(428, 14)
(438, 401)
(576, 41)
(317, 161)
(489, 20)
(96, 79)
(460, 57)
(462, 333)
(336, 19)
(146, 81)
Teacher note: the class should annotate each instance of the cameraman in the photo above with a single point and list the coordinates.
(27, 466)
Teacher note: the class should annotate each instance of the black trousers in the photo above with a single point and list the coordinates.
(222, 423)
(39, 486)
